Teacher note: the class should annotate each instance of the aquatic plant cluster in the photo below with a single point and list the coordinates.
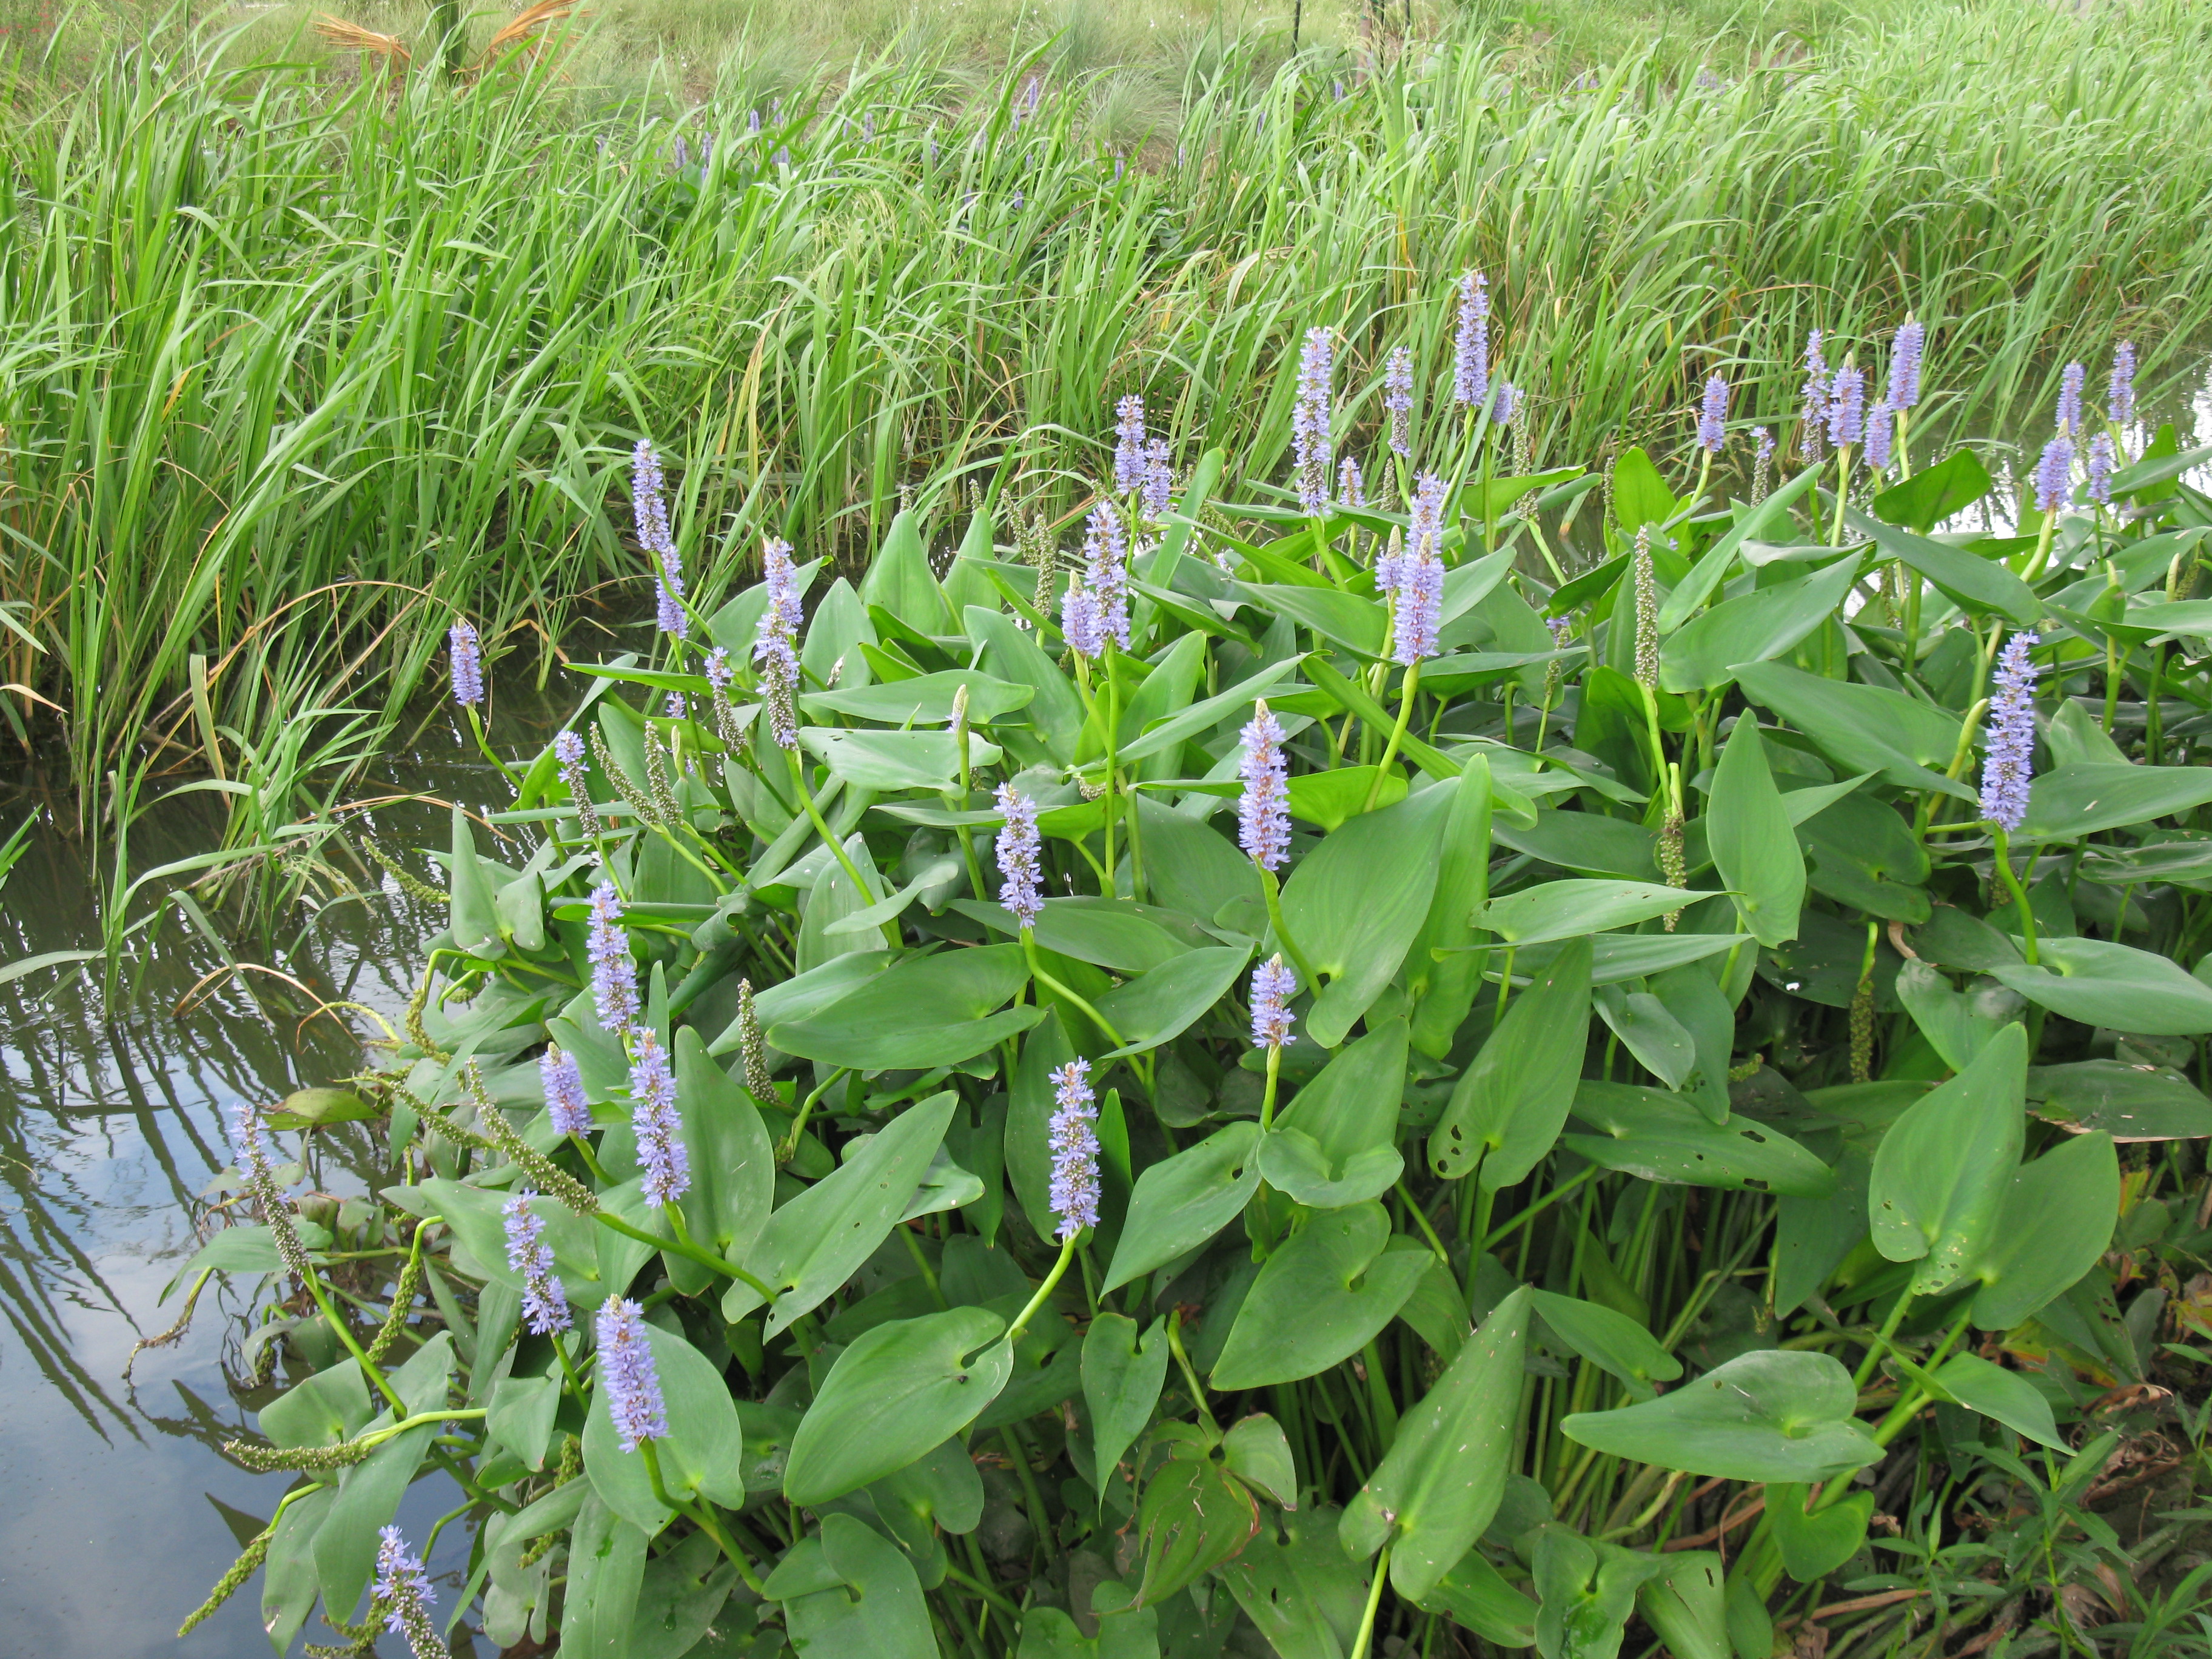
(1314, 1083)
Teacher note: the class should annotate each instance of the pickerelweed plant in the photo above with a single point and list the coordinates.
(1311, 1082)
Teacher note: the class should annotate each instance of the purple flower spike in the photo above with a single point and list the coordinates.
(566, 1108)
(1812, 417)
(1471, 347)
(628, 1374)
(1397, 399)
(1712, 415)
(1158, 493)
(1847, 407)
(2120, 391)
(653, 1115)
(1106, 554)
(402, 1593)
(1762, 444)
(649, 509)
(1904, 366)
(1081, 622)
(1129, 444)
(1311, 439)
(1880, 436)
(2054, 475)
(1019, 850)
(467, 664)
(1074, 1193)
(614, 970)
(1273, 987)
(775, 652)
(1505, 404)
(1420, 587)
(2101, 460)
(545, 1299)
(2010, 757)
(1350, 488)
(1263, 815)
(2069, 398)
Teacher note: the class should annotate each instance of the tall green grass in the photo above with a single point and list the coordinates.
(295, 368)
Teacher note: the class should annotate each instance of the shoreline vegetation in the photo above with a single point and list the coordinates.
(300, 365)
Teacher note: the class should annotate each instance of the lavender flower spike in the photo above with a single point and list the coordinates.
(2102, 458)
(1311, 420)
(1106, 551)
(2120, 391)
(467, 664)
(1420, 599)
(1350, 488)
(1397, 399)
(1075, 1193)
(1273, 987)
(775, 648)
(1081, 621)
(1712, 415)
(1813, 417)
(2069, 398)
(614, 970)
(1157, 494)
(1880, 436)
(1904, 366)
(628, 1374)
(402, 1594)
(545, 1299)
(1020, 849)
(1847, 407)
(1263, 815)
(2010, 758)
(653, 1115)
(649, 510)
(2054, 475)
(566, 1108)
(1471, 347)
(1129, 444)
(1504, 403)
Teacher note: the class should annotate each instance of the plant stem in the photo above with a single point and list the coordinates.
(1412, 683)
(1020, 1328)
(1272, 889)
(1365, 1639)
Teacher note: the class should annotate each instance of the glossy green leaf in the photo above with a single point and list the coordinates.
(1814, 1545)
(1609, 1339)
(1298, 1589)
(1958, 1027)
(1360, 625)
(2099, 982)
(473, 915)
(2053, 1221)
(1258, 1453)
(319, 1410)
(1976, 585)
(703, 1454)
(1157, 1007)
(926, 700)
(1572, 909)
(1940, 1173)
(1203, 715)
(1475, 1595)
(1586, 1591)
(1331, 799)
(1773, 1414)
(1649, 1032)
(1009, 653)
(1436, 1491)
(927, 1011)
(900, 1389)
(1505, 1112)
(2128, 1101)
(1753, 848)
(1193, 1516)
(1686, 1602)
(1935, 493)
(2090, 797)
(1356, 904)
(1588, 843)
(1181, 1201)
(606, 1574)
(1320, 1298)
(1639, 496)
(874, 1605)
(1334, 1144)
(2006, 1396)
(1712, 565)
(1121, 1379)
(815, 1242)
(521, 1416)
(1867, 728)
(1445, 985)
(369, 1498)
(732, 1162)
(1761, 624)
(1662, 1137)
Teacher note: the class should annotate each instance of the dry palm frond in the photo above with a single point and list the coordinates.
(353, 37)
(524, 24)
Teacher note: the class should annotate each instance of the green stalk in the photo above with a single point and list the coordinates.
(1410, 684)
